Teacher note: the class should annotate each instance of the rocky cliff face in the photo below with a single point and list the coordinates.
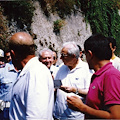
(74, 29)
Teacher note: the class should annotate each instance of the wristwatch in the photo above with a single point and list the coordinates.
(77, 92)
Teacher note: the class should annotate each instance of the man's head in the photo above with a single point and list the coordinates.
(7, 56)
(21, 45)
(46, 57)
(55, 57)
(113, 43)
(70, 53)
(1, 57)
(99, 46)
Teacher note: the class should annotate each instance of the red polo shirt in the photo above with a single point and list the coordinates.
(104, 88)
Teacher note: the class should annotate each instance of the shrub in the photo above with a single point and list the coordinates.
(58, 24)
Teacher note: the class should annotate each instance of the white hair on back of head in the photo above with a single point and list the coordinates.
(72, 48)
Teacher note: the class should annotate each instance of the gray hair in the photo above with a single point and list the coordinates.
(44, 50)
(72, 48)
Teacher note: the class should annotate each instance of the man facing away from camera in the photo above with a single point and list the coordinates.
(33, 92)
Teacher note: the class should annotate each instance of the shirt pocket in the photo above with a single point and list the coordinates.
(5, 85)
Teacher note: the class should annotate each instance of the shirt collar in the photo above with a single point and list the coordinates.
(113, 57)
(101, 70)
(10, 66)
(79, 65)
(28, 65)
(104, 68)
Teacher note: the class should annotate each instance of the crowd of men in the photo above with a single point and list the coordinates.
(36, 88)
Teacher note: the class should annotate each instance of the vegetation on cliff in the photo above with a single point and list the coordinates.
(101, 14)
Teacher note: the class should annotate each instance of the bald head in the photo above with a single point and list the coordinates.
(22, 43)
(21, 38)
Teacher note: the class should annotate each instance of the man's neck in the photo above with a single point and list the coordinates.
(24, 61)
(74, 64)
(100, 64)
(113, 57)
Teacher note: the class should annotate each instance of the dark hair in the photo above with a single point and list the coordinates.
(113, 41)
(7, 50)
(23, 50)
(80, 49)
(99, 45)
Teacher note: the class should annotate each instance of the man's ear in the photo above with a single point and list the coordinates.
(90, 53)
(114, 48)
(12, 52)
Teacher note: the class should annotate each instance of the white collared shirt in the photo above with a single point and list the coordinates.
(78, 77)
(33, 93)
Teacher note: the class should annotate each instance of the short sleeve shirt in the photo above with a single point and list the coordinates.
(104, 88)
(8, 76)
(78, 77)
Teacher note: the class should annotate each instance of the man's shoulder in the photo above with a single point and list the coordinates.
(116, 59)
(113, 71)
(2, 66)
(83, 64)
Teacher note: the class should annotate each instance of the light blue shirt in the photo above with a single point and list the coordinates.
(8, 76)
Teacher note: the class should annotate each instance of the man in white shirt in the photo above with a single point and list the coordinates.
(75, 77)
(33, 92)
(46, 57)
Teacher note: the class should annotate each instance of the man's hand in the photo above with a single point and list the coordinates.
(68, 89)
(75, 103)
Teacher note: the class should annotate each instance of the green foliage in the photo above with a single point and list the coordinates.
(101, 14)
(103, 17)
(20, 11)
(3, 30)
(62, 7)
(58, 24)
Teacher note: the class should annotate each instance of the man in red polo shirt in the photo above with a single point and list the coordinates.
(103, 99)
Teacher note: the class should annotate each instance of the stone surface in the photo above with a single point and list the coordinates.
(74, 29)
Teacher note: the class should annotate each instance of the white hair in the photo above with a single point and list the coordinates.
(44, 50)
(72, 48)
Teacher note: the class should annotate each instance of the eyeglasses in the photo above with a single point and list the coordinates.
(63, 55)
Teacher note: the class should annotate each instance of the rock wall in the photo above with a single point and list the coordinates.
(74, 29)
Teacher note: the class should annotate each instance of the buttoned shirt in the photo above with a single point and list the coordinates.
(78, 77)
(8, 76)
(33, 93)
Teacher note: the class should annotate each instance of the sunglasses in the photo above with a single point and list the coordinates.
(7, 56)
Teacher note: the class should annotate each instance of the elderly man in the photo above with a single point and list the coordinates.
(46, 57)
(33, 92)
(75, 77)
(103, 98)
